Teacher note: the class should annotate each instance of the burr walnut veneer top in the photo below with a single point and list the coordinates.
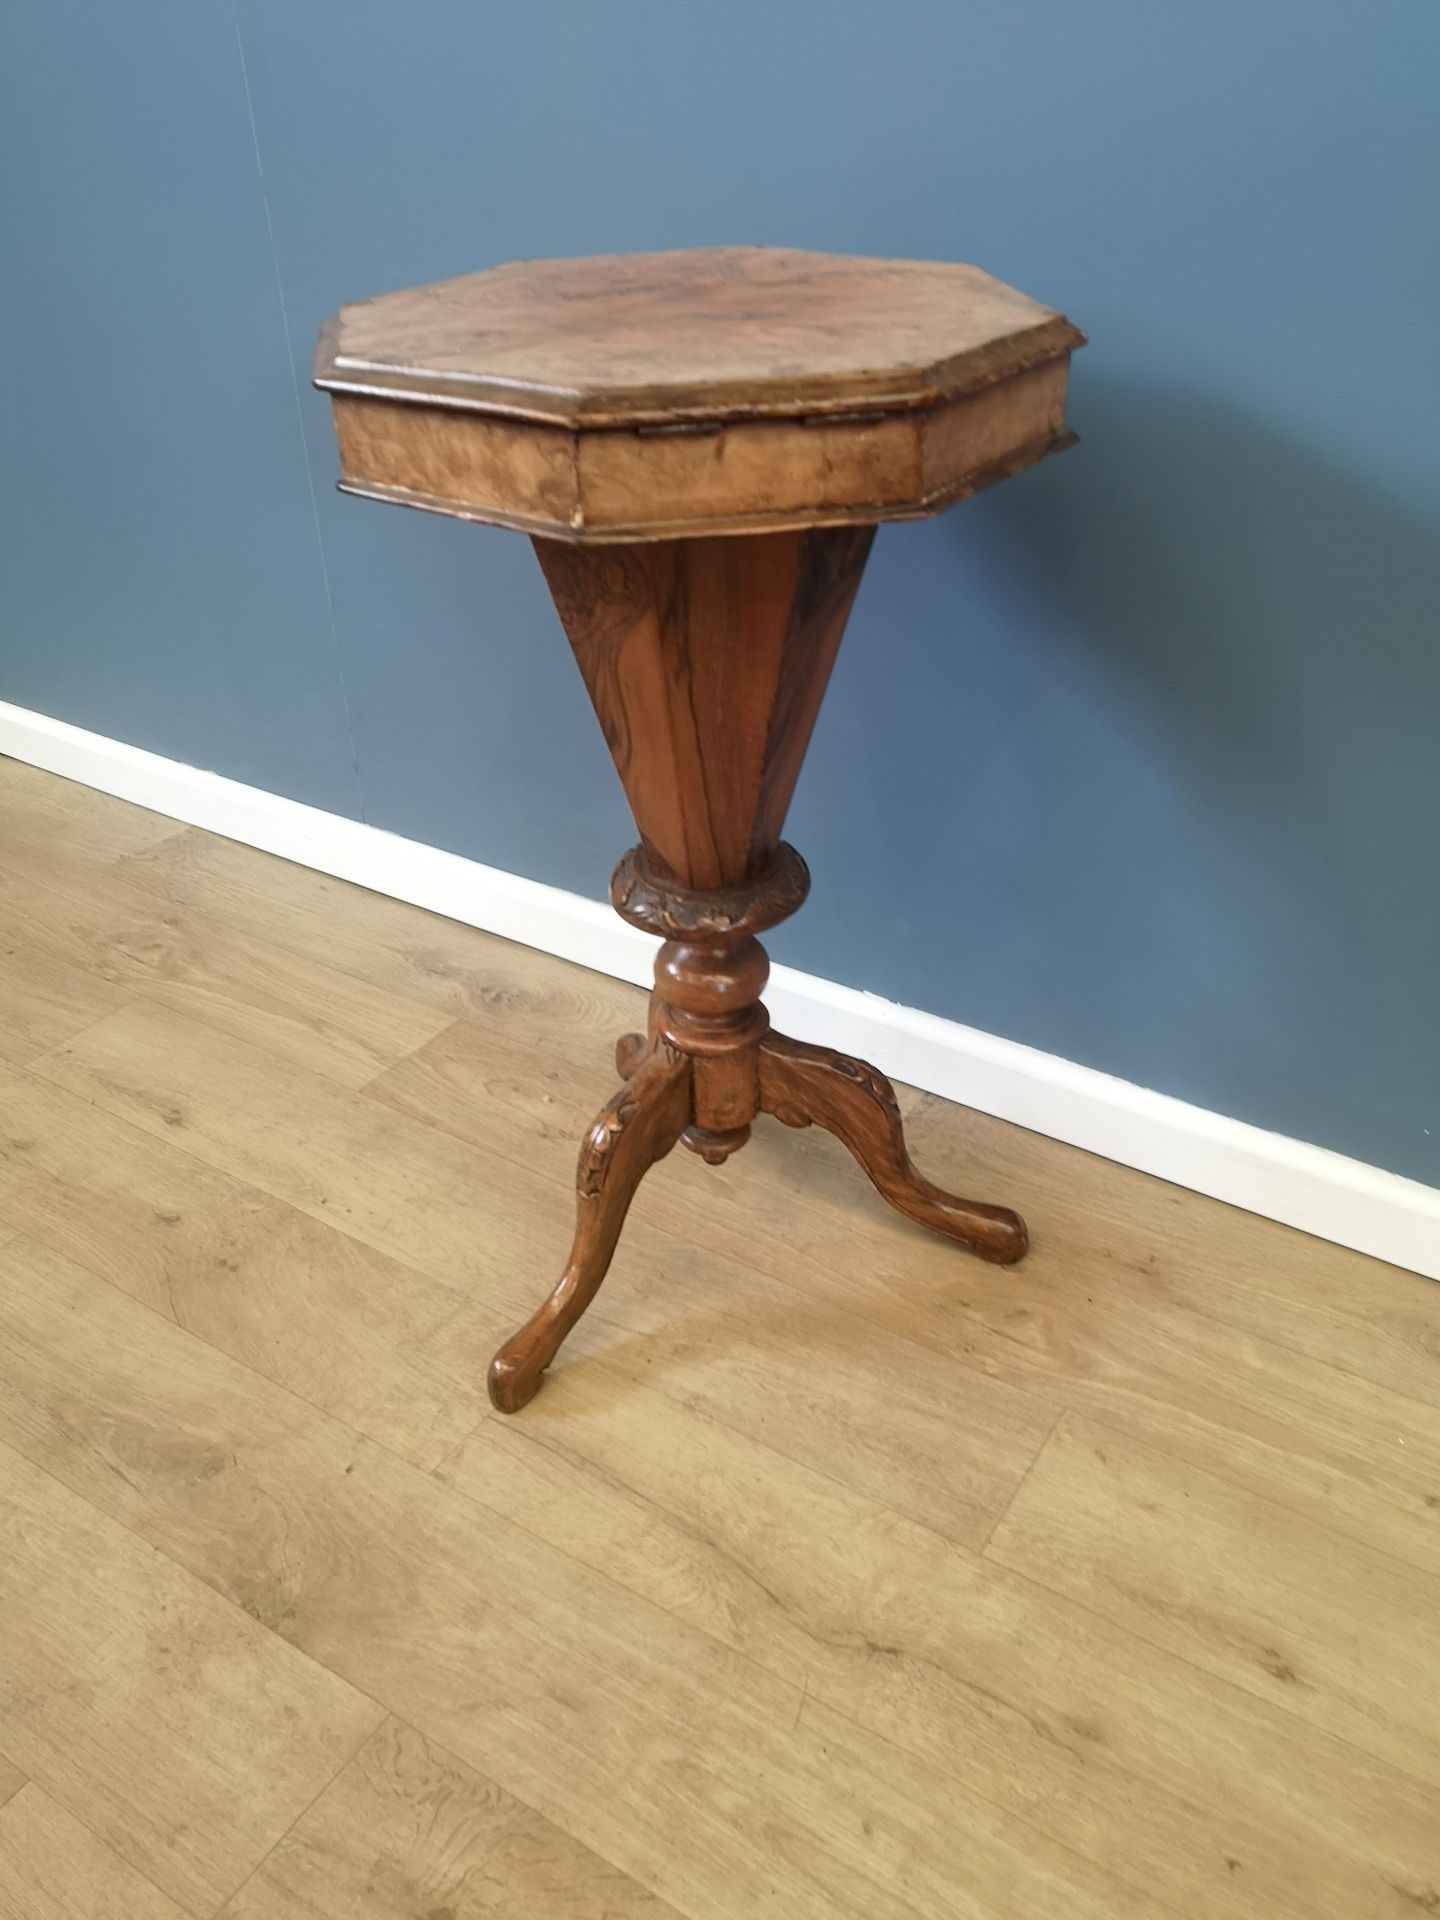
(720, 390)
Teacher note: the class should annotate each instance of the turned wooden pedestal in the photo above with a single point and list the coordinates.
(701, 445)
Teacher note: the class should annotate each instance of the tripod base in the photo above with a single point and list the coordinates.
(801, 1086)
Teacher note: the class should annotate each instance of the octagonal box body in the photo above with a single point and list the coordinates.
(718, 391)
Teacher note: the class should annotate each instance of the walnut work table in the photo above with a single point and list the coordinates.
(700, 445)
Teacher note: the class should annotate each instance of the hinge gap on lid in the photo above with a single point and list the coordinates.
(653, 430)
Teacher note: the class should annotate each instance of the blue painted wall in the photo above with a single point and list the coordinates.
(1165, 711)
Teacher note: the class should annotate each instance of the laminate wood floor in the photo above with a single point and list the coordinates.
(832, 1574)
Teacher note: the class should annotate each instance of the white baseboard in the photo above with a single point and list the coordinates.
(1304, 1186)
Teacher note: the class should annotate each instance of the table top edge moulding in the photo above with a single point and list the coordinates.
(717, 391)
(701, 445)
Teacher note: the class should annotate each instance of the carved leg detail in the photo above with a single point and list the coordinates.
(630, 1050)
(637, 1127)
(801, 1085)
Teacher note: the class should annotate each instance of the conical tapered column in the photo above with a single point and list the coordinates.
(707, 661)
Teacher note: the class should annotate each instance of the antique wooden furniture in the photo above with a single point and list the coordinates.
(701, 445)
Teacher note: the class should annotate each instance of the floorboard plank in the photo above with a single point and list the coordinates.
(96, 927)
(1272, 1602)
(53, 1868)
(687, 1766)
(650, 1589)
(313, 1309)
(1164, 1245)
(407, 1828)
(1028, 1697)
(464, 974)
(61, 817)
(184, 1735)
(43, 1002)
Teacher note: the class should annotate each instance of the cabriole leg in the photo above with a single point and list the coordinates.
(637, 1126)
(803, 1086)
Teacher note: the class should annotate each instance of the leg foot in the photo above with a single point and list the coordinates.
(637, 1127)
(801, 1085)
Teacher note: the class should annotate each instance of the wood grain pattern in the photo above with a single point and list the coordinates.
(721, 391)
(1034, 1701)
(1243, 1587)
(407, 1828)
(728, 332)
(686, 1766)
(566, 1010)
(708, 734)
(46, 1001)
(506, 471)
(1193, 1275)
(53, 1868)
(317, 1311)
(51, 816)
(716, 1608)
(617, 487)
(88, 936)
(238, 1733)
(750, 477)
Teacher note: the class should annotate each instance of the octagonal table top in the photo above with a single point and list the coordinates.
(722, 332)
(711, 390)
